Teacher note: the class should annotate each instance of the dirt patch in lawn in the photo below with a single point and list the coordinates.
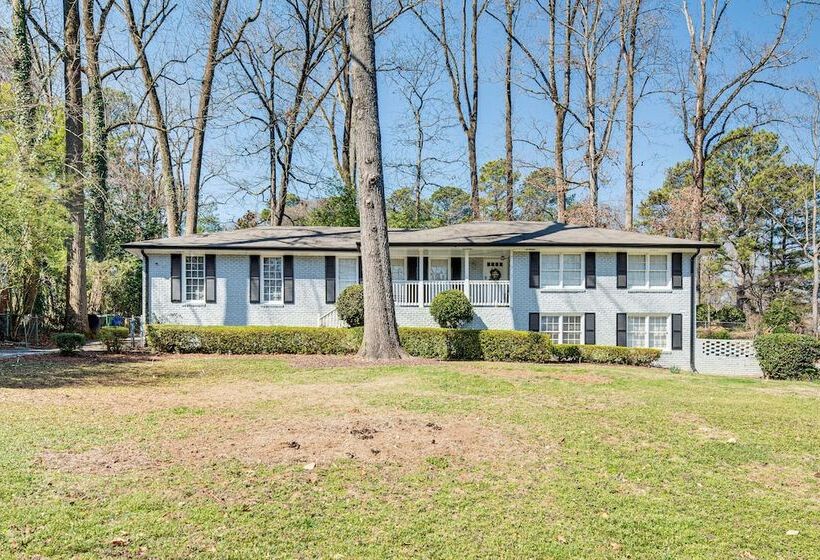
(326, 361)
(399, 439)
(792, 480)
(701, 428)
(524, 372)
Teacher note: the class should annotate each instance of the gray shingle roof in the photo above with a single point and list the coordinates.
(478, 234)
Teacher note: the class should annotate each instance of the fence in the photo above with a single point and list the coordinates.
(726, 357)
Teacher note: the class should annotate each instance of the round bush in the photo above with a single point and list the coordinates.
(350, 305)
(114, 338)
(451, 309)
(787, 356)
(68, 342)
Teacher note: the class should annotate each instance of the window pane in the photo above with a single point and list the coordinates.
(572, 329)
(636, 331)
(195, 278)
(397, 268)
(572, 277)
(636, 271)
(439, 269)
(550, 270)
(348, 270)
(658, 270)
(658, 332)
(550, 326)
(272, 279)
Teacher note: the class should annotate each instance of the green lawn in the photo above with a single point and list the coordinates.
(227, 457)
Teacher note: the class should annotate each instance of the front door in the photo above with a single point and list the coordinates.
(495, 269)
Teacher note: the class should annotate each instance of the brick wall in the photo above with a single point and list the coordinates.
(232, 307)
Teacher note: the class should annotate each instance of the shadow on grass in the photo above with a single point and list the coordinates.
(86, 368)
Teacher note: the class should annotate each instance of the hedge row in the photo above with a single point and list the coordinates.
(788, 356)
(441, 344)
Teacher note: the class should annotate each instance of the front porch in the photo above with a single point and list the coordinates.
(419, 275)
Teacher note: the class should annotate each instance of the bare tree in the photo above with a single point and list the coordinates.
(381, 334)
(552, 80)
(215, 55)
(141, 32)
(630, 15)
(416, 71)
(76, 300)
(710, 101)
(460, 51)
(596, 35)
(510, 7)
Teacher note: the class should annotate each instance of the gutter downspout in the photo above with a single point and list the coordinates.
(146, 296)
(693, 313)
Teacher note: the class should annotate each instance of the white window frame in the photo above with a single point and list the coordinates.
(430, 268)
(263, 276)
(561, 330)
(404, 267)
(646, 287)
(561, 287)
(646, 317)
(338, 270)
(185, 279)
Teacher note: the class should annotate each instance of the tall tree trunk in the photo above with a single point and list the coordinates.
(98, 136)
(508, 139)
(169, 188)
(815, 261)
(218, 9)
(76, 303)
(418, 177)
(381, 334)
(630, 14)
(472, 162)
(25, 104)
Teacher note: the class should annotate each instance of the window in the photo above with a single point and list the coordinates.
(647, 331)
(562, 271)
(195, 278)
(648, 271)
(439, 269)
(272, 281)
(397, 269)
(563, 329)
(347, 269)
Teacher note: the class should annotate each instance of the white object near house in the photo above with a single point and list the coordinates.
(581, 285)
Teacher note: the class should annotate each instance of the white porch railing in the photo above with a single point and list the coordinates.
(482, 293)
(331, 319)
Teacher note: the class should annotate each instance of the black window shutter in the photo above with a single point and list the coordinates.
(361, 273)
(589, 328)
(253, 274)
(176, 278)
(287, 274)
(455, 269)
(412, 269)
(535, 322)
(677, 331)
(677, 271)
(210, 278)
(535, 270)
(620, 335)
(425, 265)
(590, 270)
(621, 265)
(330, 279)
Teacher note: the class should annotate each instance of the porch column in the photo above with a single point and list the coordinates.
(466, 274)
(420, 274)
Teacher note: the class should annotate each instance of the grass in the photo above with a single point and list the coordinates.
(238, 457)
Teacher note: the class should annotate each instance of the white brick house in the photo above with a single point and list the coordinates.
(582, 285)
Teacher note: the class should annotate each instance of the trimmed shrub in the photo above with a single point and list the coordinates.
(566, 353)
(68, 342)
(350, 305)
(715, 333)
(113, 337)
(782, 315)
(515, 346)
(595, 354)
(441, 344)
(787, 356)
(451, 309)
(253, 340)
